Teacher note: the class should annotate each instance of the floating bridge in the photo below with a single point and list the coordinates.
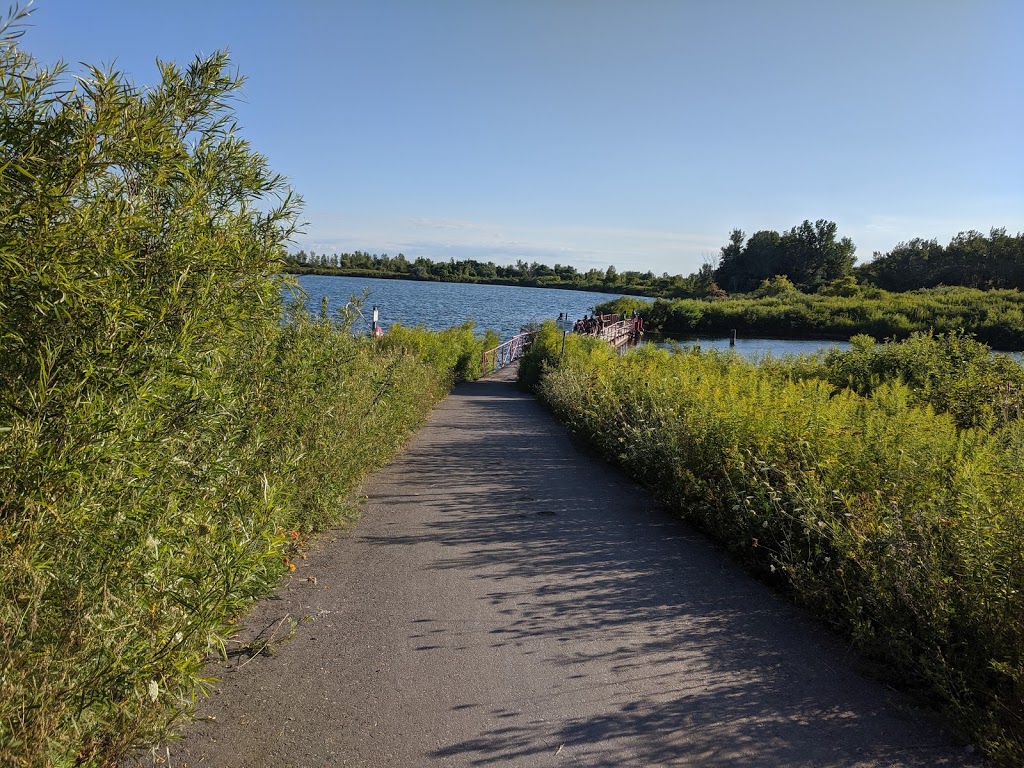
(613, 329)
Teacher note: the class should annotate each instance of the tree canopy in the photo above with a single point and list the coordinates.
(810, 255)
(971, 259)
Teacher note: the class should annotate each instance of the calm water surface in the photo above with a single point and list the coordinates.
(754, 349)
(501, 308)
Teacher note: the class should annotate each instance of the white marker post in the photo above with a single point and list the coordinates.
(564, 325)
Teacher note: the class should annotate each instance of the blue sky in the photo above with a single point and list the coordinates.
(636, 133)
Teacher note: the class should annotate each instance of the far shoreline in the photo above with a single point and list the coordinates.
(293, 269)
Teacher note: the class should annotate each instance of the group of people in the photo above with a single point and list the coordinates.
(589, 325)
(592, 325)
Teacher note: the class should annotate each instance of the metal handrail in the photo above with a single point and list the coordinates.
(616, 330)
(506, 353)
(513, 349)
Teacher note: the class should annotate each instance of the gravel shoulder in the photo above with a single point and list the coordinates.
(507, 600)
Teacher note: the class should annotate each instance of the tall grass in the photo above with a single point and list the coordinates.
(131, 544)
(892, 523)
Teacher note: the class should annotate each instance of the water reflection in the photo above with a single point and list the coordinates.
(755, 349)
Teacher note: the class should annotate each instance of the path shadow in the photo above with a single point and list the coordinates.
(572, 552)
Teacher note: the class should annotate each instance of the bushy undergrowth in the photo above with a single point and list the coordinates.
(952, 373)
(167, 429)
(130, 547)
(994, 317)
(884, 517)
(456, 350)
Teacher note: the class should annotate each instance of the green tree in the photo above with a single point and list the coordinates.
(809, 255)
(813, 257)
(730, 269)
(763, 257)
(910, 265)
(971, 259)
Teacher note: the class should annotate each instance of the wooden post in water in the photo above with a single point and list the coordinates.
(732, 338)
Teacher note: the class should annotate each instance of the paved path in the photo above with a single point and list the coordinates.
(509, 601)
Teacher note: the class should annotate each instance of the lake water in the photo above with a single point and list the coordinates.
(505, 309)
(754, 349)
(501, 308)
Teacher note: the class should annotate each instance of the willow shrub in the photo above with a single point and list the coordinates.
(166, 428)
(883, 517)
(456, 349)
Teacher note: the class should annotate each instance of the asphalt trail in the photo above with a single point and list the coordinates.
(507, 600)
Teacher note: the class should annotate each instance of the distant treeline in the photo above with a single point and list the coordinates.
(813, 259)
(971, 259)
(811, 256)
(361, 264)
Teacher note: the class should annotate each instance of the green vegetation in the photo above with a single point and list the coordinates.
(841, 310)
(801, 284)
(893, 511)
(971, 259)
(952, 374)
(168, 430)
(795, 284)
(808, 255)
(811, 258)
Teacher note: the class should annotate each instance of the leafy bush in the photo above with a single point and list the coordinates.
(884, 517)
(167, 430)
(778, 285)
(456, 350)
(952, 373)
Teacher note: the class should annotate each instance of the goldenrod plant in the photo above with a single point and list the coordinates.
(880, 487)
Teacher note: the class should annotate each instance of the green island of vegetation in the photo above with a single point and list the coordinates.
(171, 429)
(778, 310)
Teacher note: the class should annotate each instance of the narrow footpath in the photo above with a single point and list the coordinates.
(508, 600)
